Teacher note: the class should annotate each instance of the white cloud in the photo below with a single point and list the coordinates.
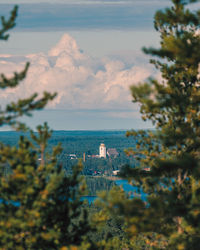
(82, 82)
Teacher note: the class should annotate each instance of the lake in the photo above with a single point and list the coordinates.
(129, 189)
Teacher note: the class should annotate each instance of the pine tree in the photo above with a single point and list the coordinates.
(170, 217)
(40, 205)
(9, 115)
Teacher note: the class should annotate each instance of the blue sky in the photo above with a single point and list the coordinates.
(87, 51)
(84, 15)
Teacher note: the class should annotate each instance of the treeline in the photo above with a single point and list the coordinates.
(97, 184)
(78, 142)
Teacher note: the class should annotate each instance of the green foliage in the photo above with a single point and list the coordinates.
(40, 206)
(109, 232)
(172, 151)
(8, 24)
(97, 184)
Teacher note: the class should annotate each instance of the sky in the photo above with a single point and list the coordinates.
(89, 52)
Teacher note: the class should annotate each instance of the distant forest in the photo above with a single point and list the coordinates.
(80, 142)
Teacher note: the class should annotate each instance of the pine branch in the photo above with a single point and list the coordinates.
(24, 107)
(8, 24)
(15, 80)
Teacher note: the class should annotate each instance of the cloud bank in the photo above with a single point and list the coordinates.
(81, 81)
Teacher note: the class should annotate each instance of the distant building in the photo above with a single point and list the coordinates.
(72, 156)
(102, 151)
(83, 157)
(112, 152)
(93, 156)
(115, 172)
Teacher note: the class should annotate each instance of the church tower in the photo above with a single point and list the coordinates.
(102, 151)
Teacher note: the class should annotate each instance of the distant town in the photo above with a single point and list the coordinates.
(110, 154)
(103, 153)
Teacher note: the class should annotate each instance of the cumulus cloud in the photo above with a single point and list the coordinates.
(81, 81)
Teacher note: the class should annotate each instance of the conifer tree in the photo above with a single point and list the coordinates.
(171, 213)
(40, 205)
(9, 115)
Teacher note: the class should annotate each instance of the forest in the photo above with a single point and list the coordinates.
(88, 142)
(79, 142)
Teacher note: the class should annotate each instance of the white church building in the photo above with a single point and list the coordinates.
(102, 150)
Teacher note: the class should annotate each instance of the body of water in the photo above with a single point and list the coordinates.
(90, 199)
(129, 189)
(133, 191)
